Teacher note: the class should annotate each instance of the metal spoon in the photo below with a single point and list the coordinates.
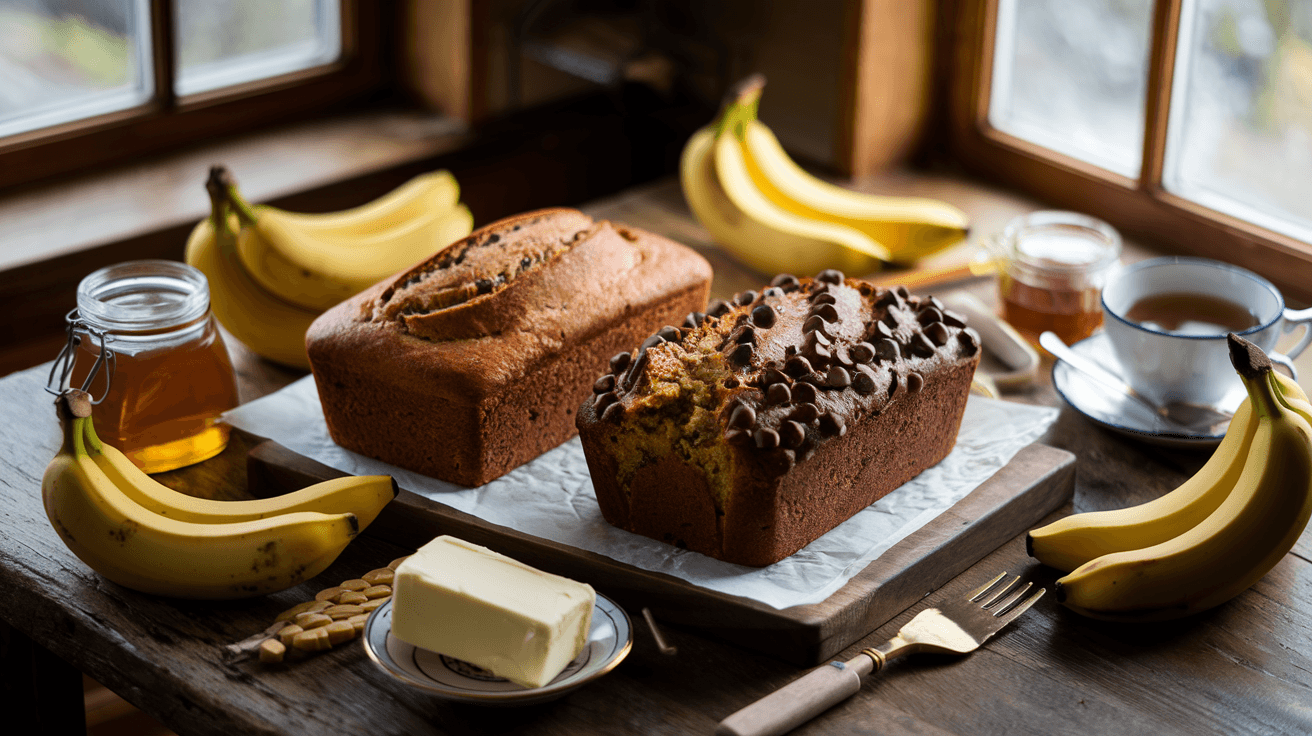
(1178, 416)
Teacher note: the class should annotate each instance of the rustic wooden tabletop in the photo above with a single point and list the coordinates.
(1242, 668)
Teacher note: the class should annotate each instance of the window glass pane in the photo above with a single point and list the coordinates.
(63, 60)
(1240, 138)
(225, 43)
(1071, 75)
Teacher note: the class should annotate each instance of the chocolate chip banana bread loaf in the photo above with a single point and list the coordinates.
(750, 430)
(474, 361)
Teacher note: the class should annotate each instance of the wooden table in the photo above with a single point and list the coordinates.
(1245, 667)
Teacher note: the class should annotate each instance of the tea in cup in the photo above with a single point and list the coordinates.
(1167, 320)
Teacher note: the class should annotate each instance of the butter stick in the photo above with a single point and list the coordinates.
(468, 602)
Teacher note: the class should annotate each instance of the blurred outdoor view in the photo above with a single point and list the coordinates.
(62, 60)
(1241, 135)
(1072, 76)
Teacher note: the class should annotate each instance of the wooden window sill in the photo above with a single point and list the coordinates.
(118, 205)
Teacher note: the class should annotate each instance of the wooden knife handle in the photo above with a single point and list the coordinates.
(799, 701)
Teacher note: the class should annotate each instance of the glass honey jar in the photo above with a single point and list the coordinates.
(166, 377)
(1052, 266)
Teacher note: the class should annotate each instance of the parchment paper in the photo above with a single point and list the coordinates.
(551, 497)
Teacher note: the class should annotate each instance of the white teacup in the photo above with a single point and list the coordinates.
(1170, 366)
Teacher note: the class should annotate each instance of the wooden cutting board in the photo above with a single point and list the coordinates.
(1036, 482)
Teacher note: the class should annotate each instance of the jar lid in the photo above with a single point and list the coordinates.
(143, 296)
(1063, 242)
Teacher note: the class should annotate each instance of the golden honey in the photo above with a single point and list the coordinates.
(170, 378)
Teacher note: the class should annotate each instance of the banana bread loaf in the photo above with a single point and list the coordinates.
(751, 430)
(474, 361)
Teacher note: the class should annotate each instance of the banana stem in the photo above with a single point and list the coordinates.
(1255, 368)
(741, 106)
(217, 187)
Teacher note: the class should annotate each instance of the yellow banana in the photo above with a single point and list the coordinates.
(365, 496)
(269, 326)
(1070, 542)
(144, 551)
(1253, 528)
(434, 191)
(316, 267)
(909, 227)
(753, 229)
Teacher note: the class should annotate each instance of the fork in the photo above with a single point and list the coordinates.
(960, 626)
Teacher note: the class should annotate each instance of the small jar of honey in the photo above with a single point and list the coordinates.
(166, 377)
(1052, 266)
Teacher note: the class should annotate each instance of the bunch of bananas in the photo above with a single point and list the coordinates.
(272, 272)
(143, 535)
(777, 218)
(1214, 536)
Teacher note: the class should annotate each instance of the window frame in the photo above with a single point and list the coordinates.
(167, 121)
(1142, 208)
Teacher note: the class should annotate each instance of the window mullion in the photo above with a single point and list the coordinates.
(1161, 69)
(163, 54)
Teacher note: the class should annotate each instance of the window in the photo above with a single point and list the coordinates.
(1188, 122)
(85, 82)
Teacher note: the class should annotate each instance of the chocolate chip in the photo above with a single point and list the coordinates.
(883, 330)
(747, 336)
(902, 292)
(886, 299)
(933, 302)
(791, 434)
(651, 342)
(937, 333)
(785, 280)
(838, 377)
(952, 318)
(816, 338)
(968, 344)
(820, 354)
(604, 384)
(832, 424)
(670, 333)
(797, 366)
(826, 311)
(619, 362)
(733, 434)
(743, 298)
(889, 319)
(842, 357)
(825, 298)
(717, 308)
(915, 382)
(921, 345)
(863, 383)
(693, 320)
(892, 384)
(494, 238)
(913, 301)
(805, 413)
(887, 349)
(635, 371)
(484, 286)
(613, 412)
(743, 416)
(818, 324)
(805, 393)
(772, 293)
(930, 316)
(764, 316)
(525, 263)
(862, 352)
(790, 351)
(773, 375)
(830, 276)
(778, 393)
(602, 401)
(742, 355)
(766, 438)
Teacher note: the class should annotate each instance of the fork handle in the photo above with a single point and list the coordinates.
(800, 700)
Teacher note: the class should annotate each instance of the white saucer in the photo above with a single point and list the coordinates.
(1118, 412)
(609, 640)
